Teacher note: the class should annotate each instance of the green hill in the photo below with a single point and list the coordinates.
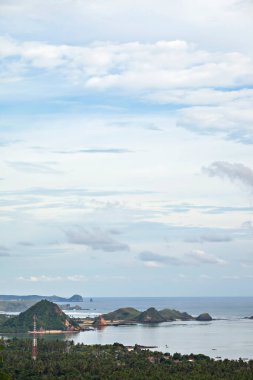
(204, 317)
(49, 317)
(171, 315)
(125, 313)
(150, 315)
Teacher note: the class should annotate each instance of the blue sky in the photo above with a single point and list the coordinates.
(126, 137)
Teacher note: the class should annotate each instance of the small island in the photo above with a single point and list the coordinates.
(131, 316)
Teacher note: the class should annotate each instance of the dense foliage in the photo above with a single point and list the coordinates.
(49, 317)
(3, 318)
(64, 360)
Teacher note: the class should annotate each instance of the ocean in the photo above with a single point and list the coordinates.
(230, 335)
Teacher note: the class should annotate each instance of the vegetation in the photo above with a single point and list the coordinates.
(3, 318)
(151, 315)
(172, 315)
(3, 374)
(125, 313)
(64, 360)
(49, 317)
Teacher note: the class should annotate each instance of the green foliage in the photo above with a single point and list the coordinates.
(3, 318)
(125, 313)
(150, 315)
(64, 360)
(172, 315)
(3, 374)
(49, 317)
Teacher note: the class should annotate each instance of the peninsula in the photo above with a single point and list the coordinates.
(129, 315)
(74, 298)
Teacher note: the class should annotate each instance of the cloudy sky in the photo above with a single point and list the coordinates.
(126, 143)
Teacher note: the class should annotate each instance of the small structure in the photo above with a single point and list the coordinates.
(34, 345)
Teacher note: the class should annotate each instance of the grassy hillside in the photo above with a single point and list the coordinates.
(150, 315)
(125, 313)
(49, 317)
(172, 315)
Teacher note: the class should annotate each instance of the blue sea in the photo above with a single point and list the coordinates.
(229, 335)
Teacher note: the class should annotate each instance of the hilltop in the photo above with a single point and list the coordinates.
(150, 315)
(125, 313)
(49, 317)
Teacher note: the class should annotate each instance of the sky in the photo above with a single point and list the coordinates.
(126, 135)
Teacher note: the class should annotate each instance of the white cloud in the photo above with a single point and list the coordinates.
(44, 278)
(77, 278)
(201, 257)
(130, 20)
(135, 66)
(212, 88)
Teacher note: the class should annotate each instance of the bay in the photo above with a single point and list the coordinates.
(229, 336)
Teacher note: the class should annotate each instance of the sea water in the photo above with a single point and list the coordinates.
(230, 335)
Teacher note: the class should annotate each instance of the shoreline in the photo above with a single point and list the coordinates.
(53, 332)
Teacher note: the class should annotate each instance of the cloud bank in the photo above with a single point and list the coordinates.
(235, 172)
(95, 239)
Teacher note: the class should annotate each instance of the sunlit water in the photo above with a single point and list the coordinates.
(231, 337)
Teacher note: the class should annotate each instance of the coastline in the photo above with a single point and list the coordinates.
(53, 332)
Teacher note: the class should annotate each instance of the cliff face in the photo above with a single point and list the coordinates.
(49, 317)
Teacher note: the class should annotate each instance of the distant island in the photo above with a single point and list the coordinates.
(16, 303)
(129, 315)
(74, 298)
